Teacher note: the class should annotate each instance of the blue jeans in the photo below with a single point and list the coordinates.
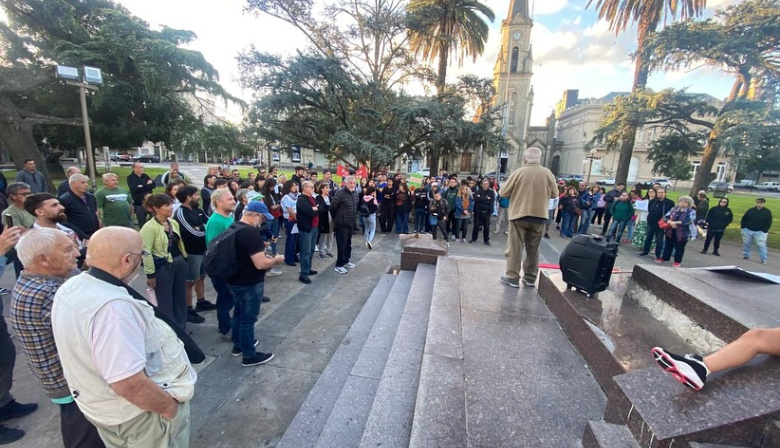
(402, 222)
(273, 227)
(617, 226)
(290, 243)
(224, 304)
(748, 236)
(247, 308)
(587, 215)
(567, 223)
(370, 227)
(419, 220)
(308, 242)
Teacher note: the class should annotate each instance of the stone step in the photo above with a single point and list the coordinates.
(607, 435)
(700, 305)
(712, 445)
(732, 409)
(440, 411)
(390, 420)
(497, 366)
(347, 419)
(307, 425)
(612, 332)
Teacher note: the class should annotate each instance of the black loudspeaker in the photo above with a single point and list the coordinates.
(587, 262)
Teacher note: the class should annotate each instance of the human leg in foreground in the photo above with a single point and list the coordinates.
(692, 370)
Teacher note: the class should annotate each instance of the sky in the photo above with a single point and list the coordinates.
(571, 48)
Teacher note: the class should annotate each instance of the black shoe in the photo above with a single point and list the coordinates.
(15, 409)
(305, 280)
(487, 243)
(194, 317)
(547, 235)
(9, 435)
(258, 359)
(704, 251)
(237, 350)
(266, 299)
(472, 241)
(643, 254)
(312, 272)
(204, 305)
(716, 254)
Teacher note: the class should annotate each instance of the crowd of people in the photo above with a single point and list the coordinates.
(122, 372)
(651, 222)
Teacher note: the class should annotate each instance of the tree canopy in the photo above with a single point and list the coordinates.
(146, 72)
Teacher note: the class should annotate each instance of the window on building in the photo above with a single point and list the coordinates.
(515, 55)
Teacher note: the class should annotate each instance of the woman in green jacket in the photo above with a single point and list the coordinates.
(166, 264)
(622, 210)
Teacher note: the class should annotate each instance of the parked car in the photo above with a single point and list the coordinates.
(744, 183)
(254, 162)
(664, 182)
(243, 161)
(769, 186)
(720, 186)
(571, 177)
(147, 158)
(124, 157)
(500, 177)
(608, 181)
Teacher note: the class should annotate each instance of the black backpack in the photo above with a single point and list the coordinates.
(363, 210)
(220, 258)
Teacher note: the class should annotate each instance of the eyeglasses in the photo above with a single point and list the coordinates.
(143, 253)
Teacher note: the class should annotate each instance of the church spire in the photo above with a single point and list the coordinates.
(518, 7)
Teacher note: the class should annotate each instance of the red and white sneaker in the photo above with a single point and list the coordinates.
(690, 370)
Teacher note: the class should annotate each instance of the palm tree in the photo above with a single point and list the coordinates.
(648, 14)
(437, 27)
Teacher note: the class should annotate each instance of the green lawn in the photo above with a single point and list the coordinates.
(739, 203)
(122, 172)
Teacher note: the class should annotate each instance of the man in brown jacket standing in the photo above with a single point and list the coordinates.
(529, 190)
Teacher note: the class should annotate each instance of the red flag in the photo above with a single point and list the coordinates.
(341, 171)
(362, 172)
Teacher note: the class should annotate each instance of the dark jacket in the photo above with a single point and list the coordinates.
(421, 199)
(439, 209)
(35, 180)
(701, 210)
(82, 214)
(371, 205)
(621, 211)
(63, 188)
(403, 202)
(484, 200)
(657, 209)
(324, 210)
(306, 213)
(719, 218)
(570, 204)
(388, 197)
(757, 220)
(609, 197)
(343, 207)
(139, 187)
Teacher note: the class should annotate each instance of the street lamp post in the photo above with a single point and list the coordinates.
(73, 77)
(590, 164)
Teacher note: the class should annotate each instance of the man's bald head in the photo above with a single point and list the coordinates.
(109, 246)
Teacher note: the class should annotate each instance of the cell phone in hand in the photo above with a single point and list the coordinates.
(9, 222)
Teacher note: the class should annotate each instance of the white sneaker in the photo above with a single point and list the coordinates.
(341, 270)
(350, 265)
(316, 249)
(274, 273)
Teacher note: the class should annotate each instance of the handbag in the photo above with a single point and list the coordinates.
(663, 225)
(503, 202)
(601, 203)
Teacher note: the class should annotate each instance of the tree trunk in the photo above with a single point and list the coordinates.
(641, 74)
(17, 137)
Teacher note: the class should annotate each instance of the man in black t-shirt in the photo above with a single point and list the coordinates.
(192, 224)
(247, 283)
(140, 184)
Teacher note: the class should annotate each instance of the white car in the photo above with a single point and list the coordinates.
(769, 186)
(608, 181)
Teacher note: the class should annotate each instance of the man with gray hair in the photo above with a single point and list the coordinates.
(114, 202)
(343, 208)
(529, 190)
(49, 257)
(64, 187)
(81, 205)
(127, 369)
(17, 192)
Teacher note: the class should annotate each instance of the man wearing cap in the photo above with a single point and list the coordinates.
(247, 284)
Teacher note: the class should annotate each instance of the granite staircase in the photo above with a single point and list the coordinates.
(685, 311)
(446, 356)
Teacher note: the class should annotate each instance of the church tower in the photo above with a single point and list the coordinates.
(512, 80)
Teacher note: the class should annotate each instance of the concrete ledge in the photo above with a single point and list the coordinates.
(417, 248)
(606, 435)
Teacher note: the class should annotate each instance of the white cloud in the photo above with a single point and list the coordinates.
(544, 7)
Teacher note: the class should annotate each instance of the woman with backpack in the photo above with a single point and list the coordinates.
(367, 209)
